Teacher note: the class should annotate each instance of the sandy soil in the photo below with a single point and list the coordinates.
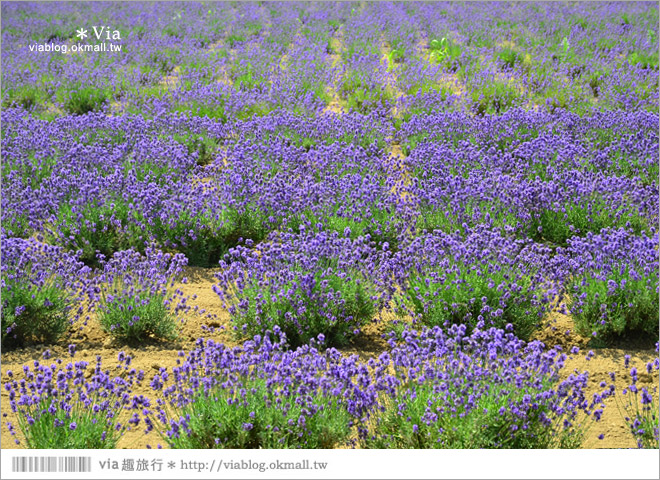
(92, 341)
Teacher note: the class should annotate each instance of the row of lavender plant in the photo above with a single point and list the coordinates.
(452, 223)
(488, 222)
(230, 61)
(431, 389)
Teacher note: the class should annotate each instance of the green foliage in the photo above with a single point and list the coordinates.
(460, 294)
(226, 419)
(557, 226)
(470, 213)
(234, 39)
(265, 310)
(45, 430)
(445, 52)
(381, 224)
(253, 28)
(83, 100)
(361, 97)
(26, 97)
(595, 81)
(509, 57)
(163, 61)
(397, 54)
(146, 171)
(644, 59)
(53, 33)
(132, 317)
(607, 44)
(108, 228)
(203, 147)
(204, 237)
(173, 30)
(139, 31)
(582, 23)
(403, 424)
(558, 101)
(17, 225)
(216, 110)
(494, 97)
(33, 171)
(615, 305)
(33, 313)
(246, 79)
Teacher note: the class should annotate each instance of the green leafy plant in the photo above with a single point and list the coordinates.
(37, 313)
(445, 52)
(133, 318)
(558, 225)
(223, 418)
(83, 100)
(614, 305)
(463, 294)
(351, 307)
(106, 228)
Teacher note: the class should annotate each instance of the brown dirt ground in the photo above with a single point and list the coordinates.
(92, 341)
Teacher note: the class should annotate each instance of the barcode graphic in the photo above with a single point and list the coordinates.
(51, 464)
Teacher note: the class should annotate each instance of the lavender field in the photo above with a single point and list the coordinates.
(330, 225)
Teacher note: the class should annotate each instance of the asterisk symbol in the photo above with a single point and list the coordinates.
(171, 465)
(81, 33)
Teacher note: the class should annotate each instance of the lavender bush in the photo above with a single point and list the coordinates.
(614, 283)
(41, 288)
(639, 407)
(135, 296)
(74, 405)
(484, 390)
(305, 285)
(261, 396)
(486, 279)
